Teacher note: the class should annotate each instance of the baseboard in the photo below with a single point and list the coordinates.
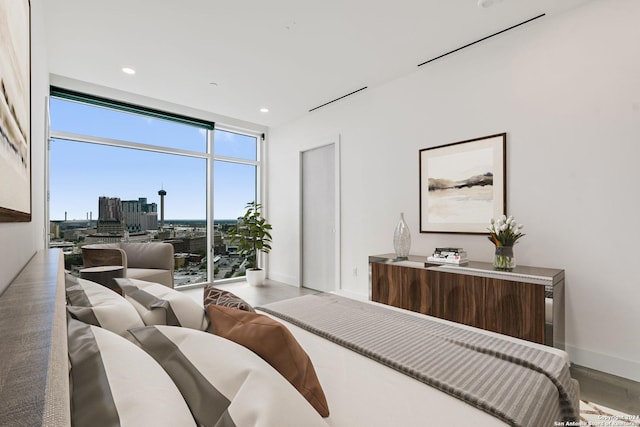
(283, 278)
(351, 294)
(629, 369)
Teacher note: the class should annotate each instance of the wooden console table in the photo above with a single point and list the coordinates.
(526, 303)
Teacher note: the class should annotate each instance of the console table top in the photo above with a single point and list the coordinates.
(475, 268)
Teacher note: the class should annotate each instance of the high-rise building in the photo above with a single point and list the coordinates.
(149, 219)
(131, 213)
(147, 207)
(162, 193)
(110, 216)
(139, 216)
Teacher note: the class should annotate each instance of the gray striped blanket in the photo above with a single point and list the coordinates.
(519, 384)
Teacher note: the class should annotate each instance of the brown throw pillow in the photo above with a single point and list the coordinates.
(213, 295)
(273, 342)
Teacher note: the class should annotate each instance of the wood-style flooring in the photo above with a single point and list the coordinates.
(614, 392)
(609, 390)
(256, 295)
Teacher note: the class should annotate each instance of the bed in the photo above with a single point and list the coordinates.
(363, 392)
(359, 390)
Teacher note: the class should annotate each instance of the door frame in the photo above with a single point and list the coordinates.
(335, 141)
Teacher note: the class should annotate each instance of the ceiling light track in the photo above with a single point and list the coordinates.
(482, 39)
(338, 99)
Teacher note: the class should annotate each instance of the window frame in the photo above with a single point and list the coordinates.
(208, 156)
(259, 164)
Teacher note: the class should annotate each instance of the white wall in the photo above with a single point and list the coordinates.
(20, 241)
(566, 89)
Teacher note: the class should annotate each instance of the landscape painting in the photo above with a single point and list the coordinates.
(463, 185)
(15, 111)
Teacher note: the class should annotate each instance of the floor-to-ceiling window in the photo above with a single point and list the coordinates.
(235, 180)
(172, 178)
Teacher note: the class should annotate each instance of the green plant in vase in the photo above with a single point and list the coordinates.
(252, 234)
(503, 233)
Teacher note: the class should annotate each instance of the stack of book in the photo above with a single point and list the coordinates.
(449, 256)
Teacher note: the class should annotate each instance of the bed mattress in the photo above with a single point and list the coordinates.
(363, 392)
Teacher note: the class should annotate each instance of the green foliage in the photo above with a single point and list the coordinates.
(252, 234)
(71, 260)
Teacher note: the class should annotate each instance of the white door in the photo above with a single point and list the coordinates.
(318, 218)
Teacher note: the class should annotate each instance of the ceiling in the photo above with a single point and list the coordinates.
(234, 57)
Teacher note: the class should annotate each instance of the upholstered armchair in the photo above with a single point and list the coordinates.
(151, 261)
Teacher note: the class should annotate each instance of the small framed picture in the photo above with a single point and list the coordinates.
(463, 185)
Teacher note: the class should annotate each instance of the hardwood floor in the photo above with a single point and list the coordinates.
(614, 392)
(609, 390)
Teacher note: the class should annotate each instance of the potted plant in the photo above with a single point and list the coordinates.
(252, 235)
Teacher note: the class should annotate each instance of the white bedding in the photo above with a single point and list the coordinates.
(364, 393)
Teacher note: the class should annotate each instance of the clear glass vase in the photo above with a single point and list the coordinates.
(402, 239)
(504, 259)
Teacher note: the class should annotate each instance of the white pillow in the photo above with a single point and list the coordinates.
(114, 382)
(224, 381)
(159, 305)
(100, 306)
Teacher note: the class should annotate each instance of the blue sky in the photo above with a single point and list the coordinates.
(81, 172)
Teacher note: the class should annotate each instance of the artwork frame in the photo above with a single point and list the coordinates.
(463, 185)
(15, 111)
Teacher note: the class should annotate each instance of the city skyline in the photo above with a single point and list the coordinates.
(94, 214)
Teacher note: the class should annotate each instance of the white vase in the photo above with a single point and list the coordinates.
(255, 276)
(402, 238)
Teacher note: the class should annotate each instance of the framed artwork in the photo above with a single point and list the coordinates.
(15, 111)
(463, 185)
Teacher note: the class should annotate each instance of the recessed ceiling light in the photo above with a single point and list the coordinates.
(213, 84)
(487, 3)
(128, 70)
(264, 110)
